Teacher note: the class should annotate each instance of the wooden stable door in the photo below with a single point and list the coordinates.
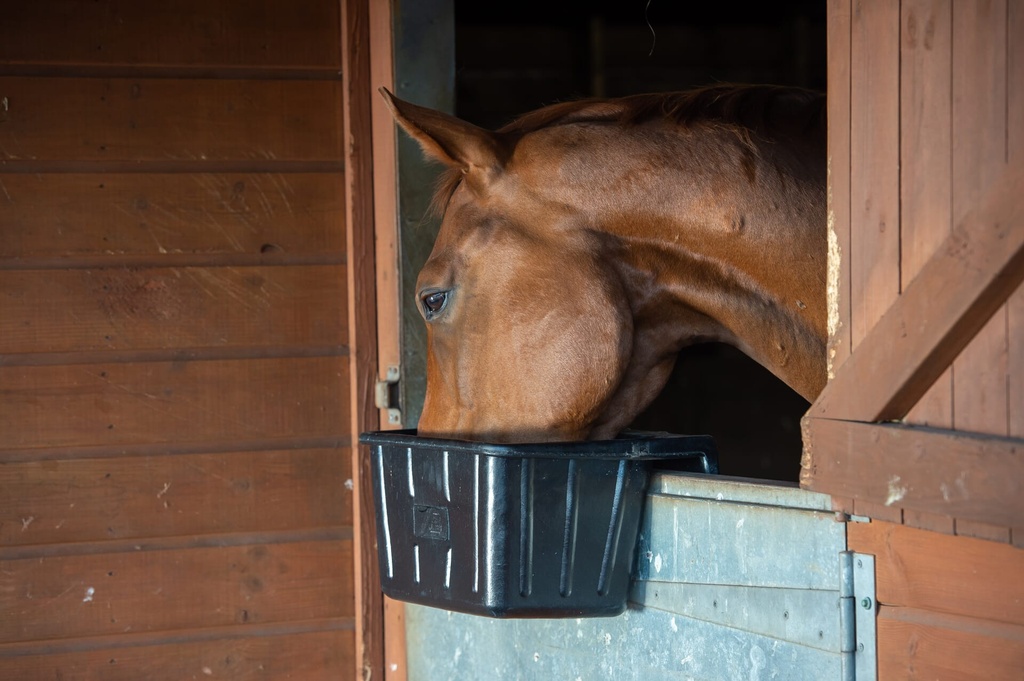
(921, 427)
(176, 392)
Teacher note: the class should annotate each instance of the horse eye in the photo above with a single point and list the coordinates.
(433, 303)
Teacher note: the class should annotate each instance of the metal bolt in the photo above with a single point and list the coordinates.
(714, 604)
(866, 603)
(860, 647)
(860, 563)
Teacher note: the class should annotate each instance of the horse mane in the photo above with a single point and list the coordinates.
(762, 111)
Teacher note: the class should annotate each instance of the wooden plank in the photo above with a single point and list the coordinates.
(154, 120)
(878, 510)
(941, 573)
(967, 476)
(980, 530)
(172, 308)
(173, 33)
(1015, 156)
(150, 591)
(925, 162)
(918, 644)
(968, 278)
(312, 656)
(50, 216)
(935, 522)
(358, 130)
(874, 161)
(385, 196)
(93, 500)
(219, 401)
(1015, 363)
(979, 127)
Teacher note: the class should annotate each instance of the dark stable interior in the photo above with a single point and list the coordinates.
(514, 57)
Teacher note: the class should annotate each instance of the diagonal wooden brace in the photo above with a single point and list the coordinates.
(963, 284)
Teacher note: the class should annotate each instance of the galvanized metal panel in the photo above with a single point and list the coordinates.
(716, 542)
(742, 490)
(802, 616)
(734, 581)
(640, 644)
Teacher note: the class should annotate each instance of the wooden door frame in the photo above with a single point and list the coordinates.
(362, 318)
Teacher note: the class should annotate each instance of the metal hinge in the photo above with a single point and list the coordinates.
(386, 395)
(858, 609)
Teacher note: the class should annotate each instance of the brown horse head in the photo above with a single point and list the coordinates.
(584, 245)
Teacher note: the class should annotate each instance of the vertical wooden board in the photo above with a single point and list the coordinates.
(217, 401)
(154, 120)
(1015, 363)
(148, 308)
(979, 158)
(146, 497)
(46, 216)
(925, 158)
(946, 574)
(918, 645)
(1015, 154)
(363, 415)
(840, 340)
(208, 33)
(315, 656)
(385, 194)
(874, 160)
(157, 591)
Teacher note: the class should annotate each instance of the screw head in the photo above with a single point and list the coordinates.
(866, 603)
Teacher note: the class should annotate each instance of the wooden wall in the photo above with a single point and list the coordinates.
(921, 427)
(926, 143)
(174, 373)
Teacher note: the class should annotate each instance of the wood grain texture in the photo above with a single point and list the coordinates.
(96, 500)
(962, 475)
(918, 645)
(973, 528)
(117, 593)
(955, 294)
(385, 195)
(313, 656)
(944, 574)
(925, 162)
(206, 33)
(979, 126)
(935, 522)
(153, 120)
(63, 217)
(218, 401)
(1015, 156)
(359, 188)
(874, 163)
(172, 308)
(839, 82)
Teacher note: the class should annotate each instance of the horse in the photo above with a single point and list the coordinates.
(585, 244)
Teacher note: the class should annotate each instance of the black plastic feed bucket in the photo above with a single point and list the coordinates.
(536, 530)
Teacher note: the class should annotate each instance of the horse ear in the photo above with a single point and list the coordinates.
(452, 141)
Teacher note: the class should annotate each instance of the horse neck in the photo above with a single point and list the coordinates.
(725, 256)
